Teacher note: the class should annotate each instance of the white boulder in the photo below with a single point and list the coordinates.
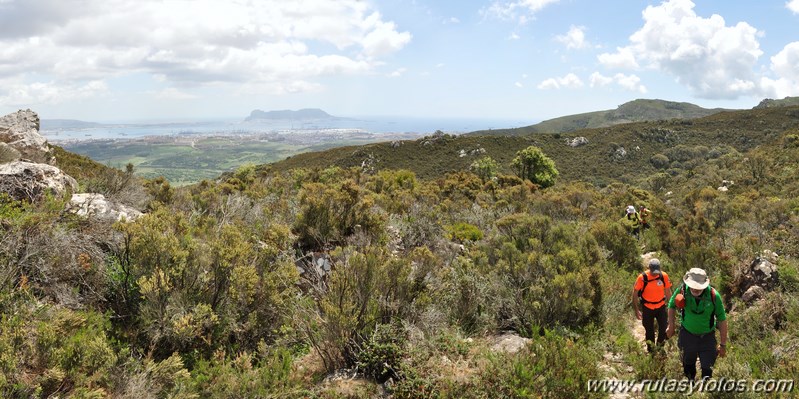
(98, 207)
(32, 181)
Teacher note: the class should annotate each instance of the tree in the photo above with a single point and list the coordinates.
(485, 167)
(532, 164)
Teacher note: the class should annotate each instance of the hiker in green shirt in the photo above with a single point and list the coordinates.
(702, 312)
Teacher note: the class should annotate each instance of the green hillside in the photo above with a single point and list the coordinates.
(598, 162)
(785, 102)
(633, 111)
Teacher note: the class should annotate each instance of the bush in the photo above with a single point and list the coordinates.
(464, 232)
(659, 161)
(267, 373)
(485, 167)
(365, 290)
(380, 355)
(551, 367)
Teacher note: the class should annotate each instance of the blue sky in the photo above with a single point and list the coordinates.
(524, 60)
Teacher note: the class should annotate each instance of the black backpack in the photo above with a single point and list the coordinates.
(712, 300)
(646, 281)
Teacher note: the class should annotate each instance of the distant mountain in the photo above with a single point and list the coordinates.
(303, 114)
(634, 111)
(785, 102)
(55, 124)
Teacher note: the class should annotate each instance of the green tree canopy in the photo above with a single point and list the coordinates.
(485, 167)
(532, 164)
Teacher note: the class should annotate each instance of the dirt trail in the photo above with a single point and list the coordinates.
(614, 365)
(618, 370)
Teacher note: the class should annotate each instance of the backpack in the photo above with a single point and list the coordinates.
(712, 300)
(646, 281)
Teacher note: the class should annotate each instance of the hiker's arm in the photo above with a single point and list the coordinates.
(667, 291)
(635, 304)
(670, 328)
(723, 338)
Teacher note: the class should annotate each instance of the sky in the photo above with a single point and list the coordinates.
(526, 60)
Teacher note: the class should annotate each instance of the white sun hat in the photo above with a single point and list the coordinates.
(696, 278)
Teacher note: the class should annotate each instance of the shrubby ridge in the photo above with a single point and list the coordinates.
(406, 270)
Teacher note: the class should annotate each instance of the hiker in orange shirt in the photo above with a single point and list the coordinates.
(651, 290)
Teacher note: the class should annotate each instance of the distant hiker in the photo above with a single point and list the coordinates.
(651, 289)
(643, 215)
(632, 220)
(702, 313)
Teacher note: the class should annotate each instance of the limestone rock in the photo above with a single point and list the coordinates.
(20, 130)
(620, 153)
(764, 272)
(508, 343)
(8, 153)
(577, 141)
(754, 293)
(762, 276)
(97, 206)
(31, 181)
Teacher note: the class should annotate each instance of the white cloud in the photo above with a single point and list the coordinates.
(793, 5)
(574, 38)
(18, 93)
(514, 36)
(172, 93)
(518, 84)
(599, 80)
(397, 73)
(627, 82)
(440, 65)
(570, 81)
(269, 43)
(785, 66)
(451, 20)
(786, 62)
(623, 58)
(712, 59)
(520, 11)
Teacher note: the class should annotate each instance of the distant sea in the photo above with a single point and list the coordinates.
(370, 124)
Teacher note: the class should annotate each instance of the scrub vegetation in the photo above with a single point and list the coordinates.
(402, 265)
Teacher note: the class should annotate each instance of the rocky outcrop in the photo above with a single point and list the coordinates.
(20, 131)
(98, 207)
(8, 153)
(761, 277)
(508, 343)
(577, 141)
(26, 181)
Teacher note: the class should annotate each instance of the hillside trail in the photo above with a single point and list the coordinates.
(618, 370)
(614, 365)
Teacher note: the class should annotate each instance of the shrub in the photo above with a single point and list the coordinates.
(329, 214)
(464, 232)
(267, 373)
(380, 355)
(659, 161)
(621, 246)
(485, 167)
(365, 290)
(550, 366)
(790, 140)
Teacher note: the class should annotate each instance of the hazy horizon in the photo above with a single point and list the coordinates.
(508, 59)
